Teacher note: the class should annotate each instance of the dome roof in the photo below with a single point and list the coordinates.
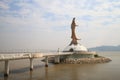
(77, 47)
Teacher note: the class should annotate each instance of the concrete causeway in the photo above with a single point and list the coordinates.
(17, 56)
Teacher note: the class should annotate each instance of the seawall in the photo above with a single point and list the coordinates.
(85, 60)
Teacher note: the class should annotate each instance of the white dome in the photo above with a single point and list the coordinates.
(77, 47)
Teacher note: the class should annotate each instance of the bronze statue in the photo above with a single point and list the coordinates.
(73, 35)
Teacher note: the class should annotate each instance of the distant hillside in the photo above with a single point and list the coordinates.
(105, 48)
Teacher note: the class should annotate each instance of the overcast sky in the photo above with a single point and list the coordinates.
(45, 24)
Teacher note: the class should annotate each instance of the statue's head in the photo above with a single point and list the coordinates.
(74, 18)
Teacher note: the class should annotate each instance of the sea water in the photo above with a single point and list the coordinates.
(19, 70)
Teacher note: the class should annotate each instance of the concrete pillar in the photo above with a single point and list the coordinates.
(46, 61)
(57, 59)
(93, 56)
(6, 73)
(31, 64)
(58, 50)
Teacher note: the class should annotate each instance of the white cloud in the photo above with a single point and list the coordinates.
(48, 22)
(3, 6)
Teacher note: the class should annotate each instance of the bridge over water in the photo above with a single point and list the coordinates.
(6, 57)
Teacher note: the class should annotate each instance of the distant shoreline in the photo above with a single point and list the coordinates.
(105, 48)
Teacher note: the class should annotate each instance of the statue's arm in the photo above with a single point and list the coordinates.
(76, 25)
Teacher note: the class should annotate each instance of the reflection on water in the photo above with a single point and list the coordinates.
(30, 75)
(19, 70)
(5, 78)
(46, 73)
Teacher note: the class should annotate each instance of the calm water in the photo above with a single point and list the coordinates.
(19, 70)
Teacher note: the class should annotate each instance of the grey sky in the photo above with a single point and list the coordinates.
(45, 24)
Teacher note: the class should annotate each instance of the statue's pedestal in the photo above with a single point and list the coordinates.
(81, 55)
(76, 47)
(79, 50)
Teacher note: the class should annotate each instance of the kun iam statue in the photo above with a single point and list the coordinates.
(74, 45)
(73, 35)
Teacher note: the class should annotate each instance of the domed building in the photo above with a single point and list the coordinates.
(76, 48)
